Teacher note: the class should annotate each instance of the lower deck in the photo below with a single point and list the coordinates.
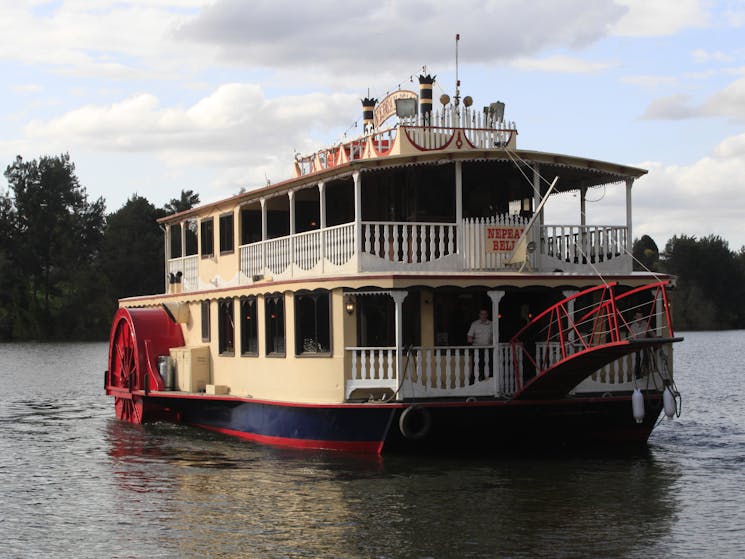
(408, 342)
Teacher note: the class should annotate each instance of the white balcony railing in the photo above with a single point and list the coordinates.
(432, 371)
(584, 244)
(477, 244)
(186, 271)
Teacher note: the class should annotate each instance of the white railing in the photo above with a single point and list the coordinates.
(488, 241)
(252, 259)
(582, 244)
(616, 375)
(481, 130)
(302, 251)
(479, 244)
(307, 249)
(338, 243)
(189, 268)
(277, 255)
(411, 243)
(433, 371)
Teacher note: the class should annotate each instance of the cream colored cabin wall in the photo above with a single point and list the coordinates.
(297, 378)
(220, 270)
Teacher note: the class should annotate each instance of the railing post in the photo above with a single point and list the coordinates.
(322, 222)
(459, 208)
(358, 218)
(628, 247)
(495, 297)
(264, 234)
(398, 299)
(291, 247)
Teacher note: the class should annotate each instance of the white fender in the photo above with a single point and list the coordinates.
(637, 405)
(668, 403)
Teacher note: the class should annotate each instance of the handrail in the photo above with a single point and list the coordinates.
(599, 325)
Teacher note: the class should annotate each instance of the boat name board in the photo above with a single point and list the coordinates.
(502, 238)
(387, 107)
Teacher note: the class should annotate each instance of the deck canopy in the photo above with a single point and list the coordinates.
(509, 169)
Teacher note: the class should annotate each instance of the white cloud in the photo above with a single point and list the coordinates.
(651, 18)
(673, 107)
(26, 88)
(366, 36)
(235, 126)
(651, 82)
(108, 39)
(728, 102)
(702, 56)
(561, 64)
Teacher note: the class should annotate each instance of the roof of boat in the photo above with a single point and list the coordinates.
(574, 173)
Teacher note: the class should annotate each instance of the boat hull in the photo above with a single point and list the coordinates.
(484, 427)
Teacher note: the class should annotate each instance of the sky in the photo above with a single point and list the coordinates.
(151, 97)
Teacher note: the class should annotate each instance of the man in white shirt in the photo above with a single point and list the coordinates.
(480, 334)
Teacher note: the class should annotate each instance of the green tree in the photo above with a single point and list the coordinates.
(186, 201)
(132, 254)
(8, 270)
(710, 291)
(646, 254)
(56, 235)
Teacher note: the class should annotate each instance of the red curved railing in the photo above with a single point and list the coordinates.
(562, 332)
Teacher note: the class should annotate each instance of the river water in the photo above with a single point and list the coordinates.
(77, 483)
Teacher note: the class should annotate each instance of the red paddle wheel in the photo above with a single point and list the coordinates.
(138, 338)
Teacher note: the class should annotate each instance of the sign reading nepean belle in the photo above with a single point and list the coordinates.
(387, 107)
(502, 238)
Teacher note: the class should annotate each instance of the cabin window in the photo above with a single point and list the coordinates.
(275, 324)
(249, 326)
(175, 241)
(226, 234)
(226, 327)
(205, 321)
(251, 224)
(190, 236)
(313, 323)
(207, 237)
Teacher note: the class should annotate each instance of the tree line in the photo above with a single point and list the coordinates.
(64, 262)
(709, 291)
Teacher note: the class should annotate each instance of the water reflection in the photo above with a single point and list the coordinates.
(79, 483)
(262, 502)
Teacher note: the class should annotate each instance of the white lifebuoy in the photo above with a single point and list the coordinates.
(415, 422)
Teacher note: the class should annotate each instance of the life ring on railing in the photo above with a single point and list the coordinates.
(415, 422)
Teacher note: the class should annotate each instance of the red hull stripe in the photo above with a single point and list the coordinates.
(367, 447)
(123, 393)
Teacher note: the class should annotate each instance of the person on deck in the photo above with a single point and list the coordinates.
(480, 334)
(644, 358)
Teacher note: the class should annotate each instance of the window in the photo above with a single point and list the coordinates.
(190, 233)
(312, 323)
(250, 224)
(249, 327)
(208, 237)
(274, 306)
(226, 327)
(226, 233)
(205, 321)
(175, 237)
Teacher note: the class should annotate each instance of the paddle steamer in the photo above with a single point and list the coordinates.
(332, 310)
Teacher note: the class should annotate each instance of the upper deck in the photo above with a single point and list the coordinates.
(443, 191)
